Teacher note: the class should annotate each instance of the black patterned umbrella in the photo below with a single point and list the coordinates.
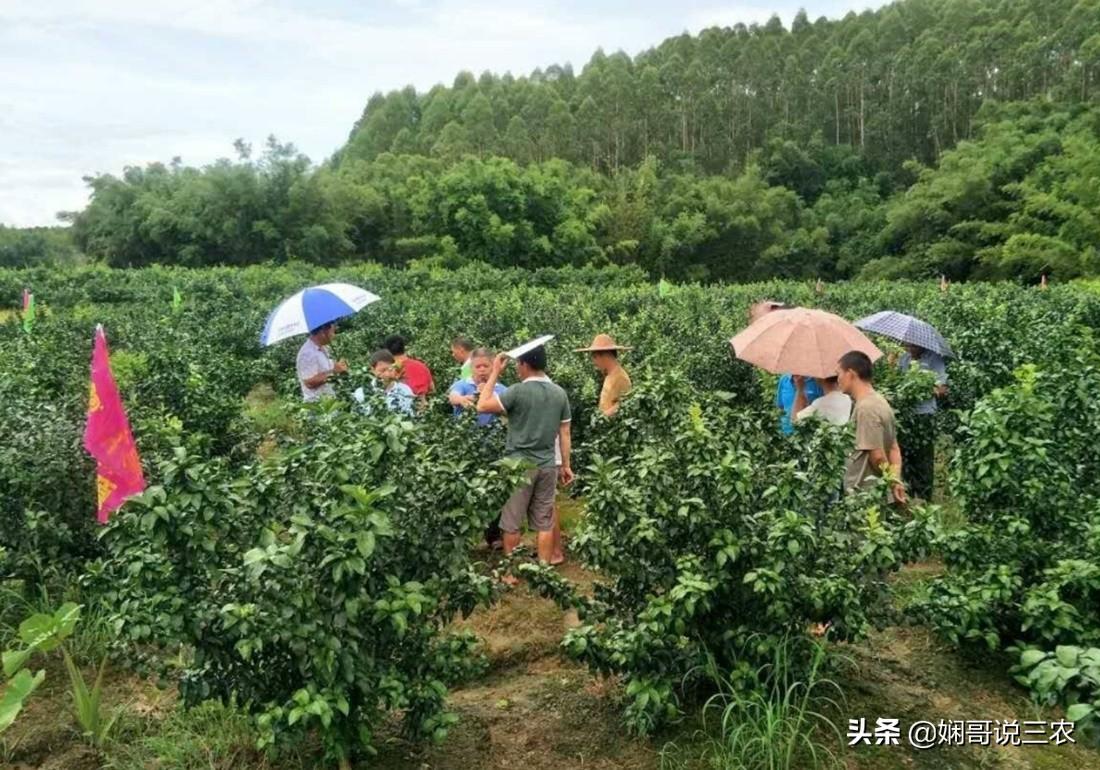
(906, 329)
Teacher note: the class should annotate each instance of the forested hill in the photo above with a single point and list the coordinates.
(903, 82)
(953, 137)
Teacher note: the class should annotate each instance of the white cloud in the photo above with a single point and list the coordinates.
(90, 86)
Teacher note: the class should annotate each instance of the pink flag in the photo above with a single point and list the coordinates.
(26, 299)
(108, 439)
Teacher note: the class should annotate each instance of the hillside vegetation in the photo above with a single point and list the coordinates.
(928, 137)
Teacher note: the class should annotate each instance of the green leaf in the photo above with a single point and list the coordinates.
(1067, 655)
(44, 633)
(1030, 657)
(17, 690)
(365, 543)
(65, 620)
(14, 660)
(253, 556)
(1079, 711)
(36, 630)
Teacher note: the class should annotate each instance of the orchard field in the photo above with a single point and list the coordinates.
(303, 587)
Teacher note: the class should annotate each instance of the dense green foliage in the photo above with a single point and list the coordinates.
(319, 603)
(720, 542)
(1021, 201)
(32, 246)
(1068, 675)
(1017, 200)
(1025, 564)
(308, 564)
(901, 82)
(929, 137)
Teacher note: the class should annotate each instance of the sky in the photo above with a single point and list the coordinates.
(93, 86)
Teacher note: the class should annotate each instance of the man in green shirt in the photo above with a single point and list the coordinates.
(538, 415)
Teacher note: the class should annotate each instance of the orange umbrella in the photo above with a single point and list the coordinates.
(800, 341)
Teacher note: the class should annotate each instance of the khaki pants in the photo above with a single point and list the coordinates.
(533, 502)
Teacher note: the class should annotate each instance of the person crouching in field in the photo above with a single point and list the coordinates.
(616, 382)
(398, 396)
(538, 414)
(414, 373)
(876, 428)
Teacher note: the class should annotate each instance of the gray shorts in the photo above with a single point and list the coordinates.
(533, 502)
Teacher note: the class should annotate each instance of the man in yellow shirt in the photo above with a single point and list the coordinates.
(616, 382)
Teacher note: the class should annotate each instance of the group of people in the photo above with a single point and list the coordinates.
(538, 415)
(850, 396)
(402, 379)
(537, 412)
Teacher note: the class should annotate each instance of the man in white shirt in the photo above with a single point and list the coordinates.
(834, 406)
(315, 365)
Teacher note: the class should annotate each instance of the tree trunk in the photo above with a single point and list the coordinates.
(955, 111)
(733, 127)
(748, 127)
(836, 112)
(861, 142)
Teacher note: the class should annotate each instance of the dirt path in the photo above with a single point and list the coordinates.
(533, 710)
(536, 711)
(908, 673)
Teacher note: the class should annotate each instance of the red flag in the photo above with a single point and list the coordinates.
(26, 299)
(108, 439)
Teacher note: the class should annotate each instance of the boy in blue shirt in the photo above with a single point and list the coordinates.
(398, 396)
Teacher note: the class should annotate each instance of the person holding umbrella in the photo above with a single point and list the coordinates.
(801, 340)
(920, 453)
(315, 366)
(788, 387)
(315, 311)
(925, 347)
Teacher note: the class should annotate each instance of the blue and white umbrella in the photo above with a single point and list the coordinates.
(313, 307)
(906, 329)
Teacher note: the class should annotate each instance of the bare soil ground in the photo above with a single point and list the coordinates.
(536, 711)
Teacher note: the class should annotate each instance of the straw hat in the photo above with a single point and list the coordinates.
(602, 343)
